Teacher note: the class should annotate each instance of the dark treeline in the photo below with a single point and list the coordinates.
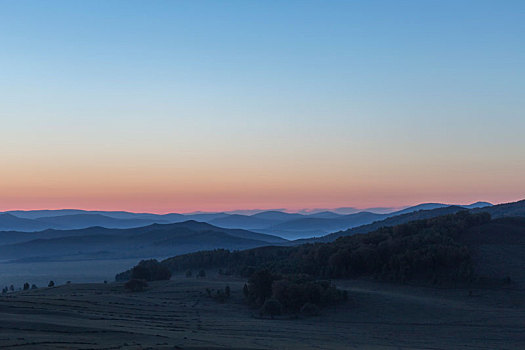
(424, 250)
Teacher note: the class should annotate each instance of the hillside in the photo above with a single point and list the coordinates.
(177, 314)
(389, 221)
(12, 223)
(459, 248)
(75, 221)
(156, 240)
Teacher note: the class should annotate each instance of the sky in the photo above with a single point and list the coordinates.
(178, 106)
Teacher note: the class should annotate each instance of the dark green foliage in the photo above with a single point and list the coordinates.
(51, 284)
(425, 250)
(26, 286)
(150, 270)
(136, 285)
(271, 307)
(219, 295)
(309, 309)
(260, 286)
(292, 291)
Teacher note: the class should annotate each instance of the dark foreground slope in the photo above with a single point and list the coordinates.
(177, 314)
(452, 248)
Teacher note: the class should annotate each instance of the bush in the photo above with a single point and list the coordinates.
(271, 307)
(136, 285)
(150, 270)
(309, 309)
(259, 287)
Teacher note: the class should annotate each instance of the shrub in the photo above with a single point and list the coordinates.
(271, 307)
(136, 285)
(309, 309)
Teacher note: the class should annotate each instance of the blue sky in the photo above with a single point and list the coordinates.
(301, 103)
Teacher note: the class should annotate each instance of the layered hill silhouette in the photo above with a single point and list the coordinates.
(458, 247)
(274, 222)
(150, 241)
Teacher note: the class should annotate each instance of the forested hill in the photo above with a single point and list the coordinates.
(432, 250)
(391, 221)
(514, 209)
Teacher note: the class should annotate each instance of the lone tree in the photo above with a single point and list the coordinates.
(271, 307)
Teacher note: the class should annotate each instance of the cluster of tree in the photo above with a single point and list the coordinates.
(147, 270)
(292, 294)
(11, 288)
(424, 250)
(6, 289)
(136, 285)
(219, 295)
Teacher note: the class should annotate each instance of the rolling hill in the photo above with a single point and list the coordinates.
(155, 240)
(274, 222)
(461, 247)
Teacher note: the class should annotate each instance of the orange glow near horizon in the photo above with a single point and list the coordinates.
(167, 109)
(164, 190)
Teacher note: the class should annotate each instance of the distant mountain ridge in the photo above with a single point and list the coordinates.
(274, 222)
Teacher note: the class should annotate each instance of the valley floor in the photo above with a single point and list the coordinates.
(178, 314)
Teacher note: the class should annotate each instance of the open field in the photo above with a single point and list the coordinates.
(178, 314)
(76, 271)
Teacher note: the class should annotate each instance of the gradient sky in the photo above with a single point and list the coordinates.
(215, 105)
